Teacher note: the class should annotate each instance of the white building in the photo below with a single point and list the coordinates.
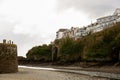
(98, 28)
(80, 33)
(74, 30)
(66, 33)
(60, 33)
(117, 12)
(118, 20)
(92, 28)
(107, 21)
(101, 24)
(70, 32)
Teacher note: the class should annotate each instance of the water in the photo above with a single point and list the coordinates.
(42, 68)
(92, 75)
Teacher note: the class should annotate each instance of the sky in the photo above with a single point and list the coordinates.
(30, 23)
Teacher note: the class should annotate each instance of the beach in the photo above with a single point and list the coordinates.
(34, 74)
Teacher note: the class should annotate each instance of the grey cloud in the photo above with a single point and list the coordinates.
(95, 8)
(24, 41)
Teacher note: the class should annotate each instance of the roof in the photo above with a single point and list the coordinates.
(106, 17)
(117, 11)
(62, 30)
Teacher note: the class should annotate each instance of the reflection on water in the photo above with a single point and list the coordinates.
(42, 68)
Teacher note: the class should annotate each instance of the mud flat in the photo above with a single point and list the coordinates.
(33, 74)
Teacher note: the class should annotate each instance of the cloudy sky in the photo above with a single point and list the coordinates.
(35, 22)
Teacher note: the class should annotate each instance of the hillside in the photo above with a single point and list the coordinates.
(100, 46)
(40, 53)
(103, 45)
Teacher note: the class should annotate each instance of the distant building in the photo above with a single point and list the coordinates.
(101, 24)
(92, 28)
(59, 33)
(107, 21)
(67, 33)
(81, 32)
(117, 12)
(73, 32)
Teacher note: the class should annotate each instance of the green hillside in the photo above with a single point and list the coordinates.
(41, 53)
(100, 46)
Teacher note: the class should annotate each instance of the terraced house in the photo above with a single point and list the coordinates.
(101, 24)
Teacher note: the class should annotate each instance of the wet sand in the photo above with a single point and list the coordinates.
(32, 74)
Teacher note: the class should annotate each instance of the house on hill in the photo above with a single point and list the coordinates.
(101, 24)
(59, 33)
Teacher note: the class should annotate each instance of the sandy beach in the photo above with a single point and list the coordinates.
(32, 74)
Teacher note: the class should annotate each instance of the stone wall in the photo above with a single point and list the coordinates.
(8, 58)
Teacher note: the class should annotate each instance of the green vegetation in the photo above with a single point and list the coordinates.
(100, 46)
(70, 50)
(41, 53)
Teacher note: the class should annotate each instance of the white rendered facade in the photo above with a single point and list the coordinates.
(101, 24)
(60, 33)
(117, 12)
